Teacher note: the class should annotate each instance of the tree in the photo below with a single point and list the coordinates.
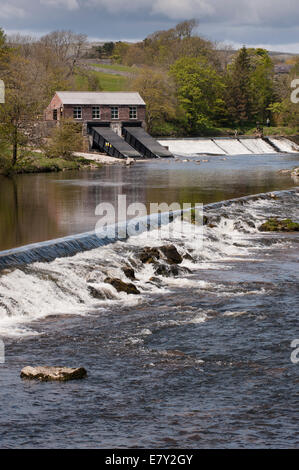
(21, 103)
(67, 47)
(238, 88)
(261, 83)
(199, 92)
(66, 138)
(157, 90)
(106, 50)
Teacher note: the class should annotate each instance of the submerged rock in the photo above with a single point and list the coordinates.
(46, 373)
(129, 273)
(96, 293)
(171, 253)
(122, 286)
(275, 225)
(149, 255)
(172, 270)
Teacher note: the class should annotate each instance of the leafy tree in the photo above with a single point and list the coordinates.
(66, 138)
(261, 83)
(199, 92)
(21, 103)
(157, 90)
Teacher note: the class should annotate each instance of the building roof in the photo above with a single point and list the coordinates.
(99, 97)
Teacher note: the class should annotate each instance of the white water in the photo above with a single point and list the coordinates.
(189, 147)
(232, 147)
(257, 146)
(192, 147)
(63, 285)
(285, 145)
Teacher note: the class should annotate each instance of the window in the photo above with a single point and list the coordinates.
(96, 114)
(77, 112)
(133, 112)
(55, 114)
(114, 112)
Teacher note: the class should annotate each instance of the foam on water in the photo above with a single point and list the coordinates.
(229, 146)
(65, 285)
(285, 145)
(192, 147)
(257, 146)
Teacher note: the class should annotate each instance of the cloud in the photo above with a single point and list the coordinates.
(68, 4)
(231, 11)
(240, 21)
(8, 11)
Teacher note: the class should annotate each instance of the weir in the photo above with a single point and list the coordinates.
(69, 246)
(230, 146)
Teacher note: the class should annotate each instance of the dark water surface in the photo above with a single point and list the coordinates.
(201, 359)
(41, 207)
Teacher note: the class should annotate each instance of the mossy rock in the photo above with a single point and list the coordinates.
(121, 286)
(276, 225)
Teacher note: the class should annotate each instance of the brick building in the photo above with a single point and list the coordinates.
(91, 108)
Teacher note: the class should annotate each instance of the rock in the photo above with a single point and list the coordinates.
(129, 273)
(149, 255)
(188, 256)
(175, 352)
(130, 161)
(53, 373)
(96, 293)
(121, 286)
(171, 253)
(275, 225)
(155, 281)
(167, 271)
(172, 270)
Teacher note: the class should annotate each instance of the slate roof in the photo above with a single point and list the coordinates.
(100, 98)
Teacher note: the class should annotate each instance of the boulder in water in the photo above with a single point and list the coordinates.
(171, 253)
(275, 225)
(122, 286)
(172, 270)
(46, 373)
(149, 255)
(129, 273)
(96, 293)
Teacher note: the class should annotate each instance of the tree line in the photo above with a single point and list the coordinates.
(191, 85)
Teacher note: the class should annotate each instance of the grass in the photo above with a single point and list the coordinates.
(117, 67)
(106, 81)
(275, 225)
(35, 162)
(279, 131)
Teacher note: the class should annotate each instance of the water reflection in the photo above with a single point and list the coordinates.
(44, 206)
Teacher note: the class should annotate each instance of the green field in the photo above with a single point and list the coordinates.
(107, 81)
(117, 67)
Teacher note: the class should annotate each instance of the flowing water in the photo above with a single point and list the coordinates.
(198, 359)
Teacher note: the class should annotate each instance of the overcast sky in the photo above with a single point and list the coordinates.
(271, 23)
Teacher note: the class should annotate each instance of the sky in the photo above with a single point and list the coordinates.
(268, 23)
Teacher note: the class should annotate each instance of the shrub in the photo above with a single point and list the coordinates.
(66, 138)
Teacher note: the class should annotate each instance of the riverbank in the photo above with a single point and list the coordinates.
(36, 162)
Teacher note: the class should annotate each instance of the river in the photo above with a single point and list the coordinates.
(199, 359)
